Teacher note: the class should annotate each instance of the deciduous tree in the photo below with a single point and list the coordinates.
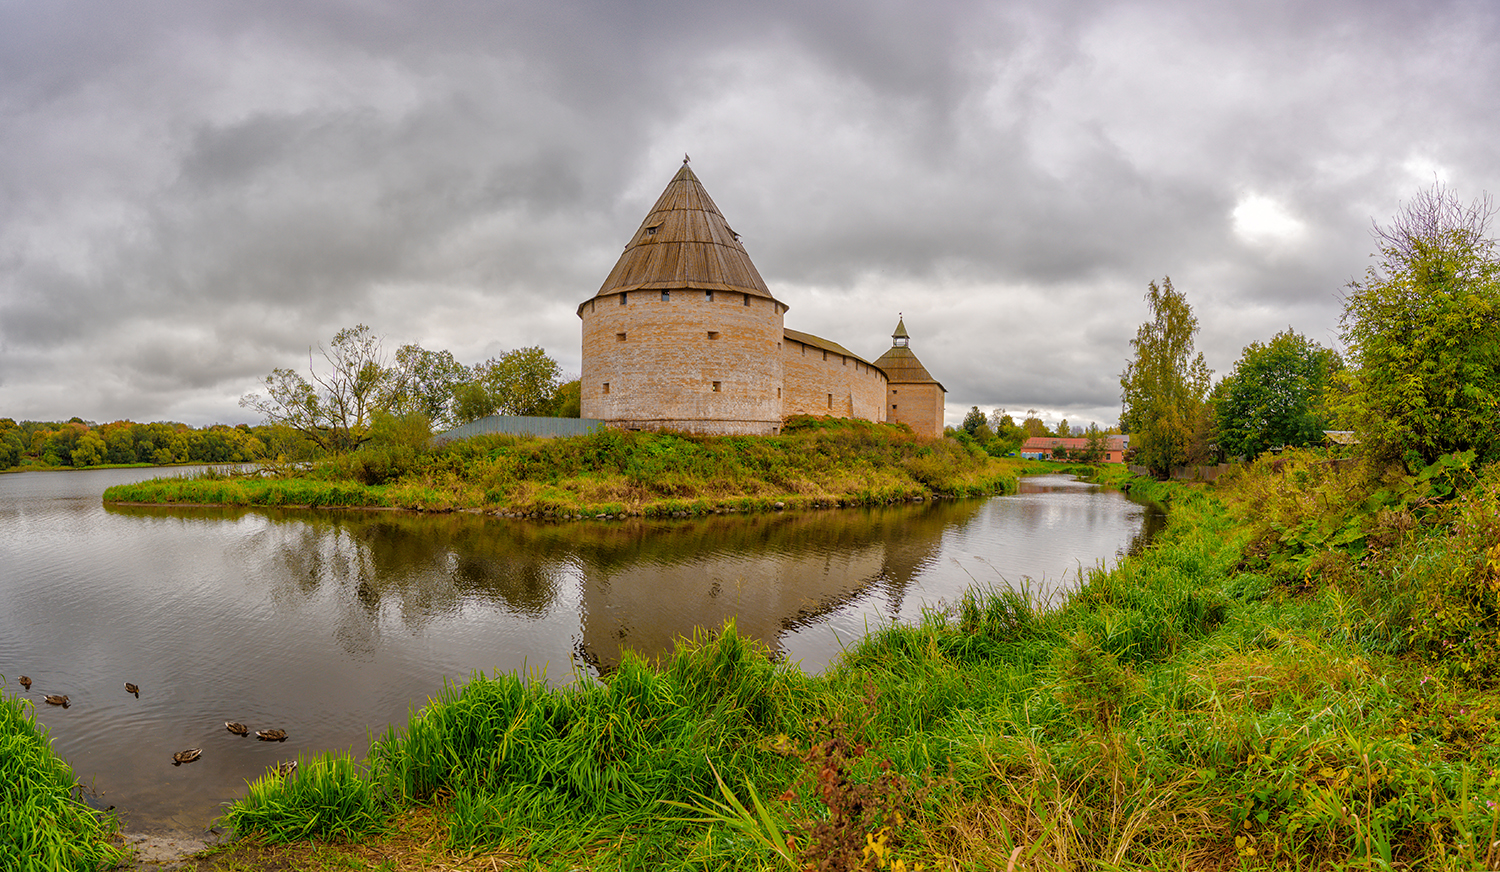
(1162, 390)
(973, 420)
(1274, 395)
(334, 408)
(1423, 333)
(1008, 434)
(520, 382)
(426, 382)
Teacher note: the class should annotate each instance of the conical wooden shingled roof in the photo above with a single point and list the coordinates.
(685, 243)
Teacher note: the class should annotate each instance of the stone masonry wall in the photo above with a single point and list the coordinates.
(919, 406)
(823, 382)
(690, 362)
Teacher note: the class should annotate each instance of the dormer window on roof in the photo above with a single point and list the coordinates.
(651, 230)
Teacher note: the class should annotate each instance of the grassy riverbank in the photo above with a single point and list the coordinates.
(819, 463)
(1262, 688)
(1299, 673)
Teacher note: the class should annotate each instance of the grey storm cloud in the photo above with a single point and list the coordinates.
(193, 194)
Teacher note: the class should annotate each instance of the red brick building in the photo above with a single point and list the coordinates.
(1046, 447)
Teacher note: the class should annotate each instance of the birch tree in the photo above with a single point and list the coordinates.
(1162, 390)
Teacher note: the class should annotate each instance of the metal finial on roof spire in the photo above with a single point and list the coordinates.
(685, 159)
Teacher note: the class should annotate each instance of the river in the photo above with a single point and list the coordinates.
(333, 624)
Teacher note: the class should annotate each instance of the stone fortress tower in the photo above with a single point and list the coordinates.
(684, 334)
(915, 398)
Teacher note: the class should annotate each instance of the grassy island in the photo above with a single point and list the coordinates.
(815, 463)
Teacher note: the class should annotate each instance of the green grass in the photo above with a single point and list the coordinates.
(1205, 704)
(43, 826)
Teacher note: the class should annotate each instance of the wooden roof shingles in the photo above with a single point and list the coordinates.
(902, 367)
(812, 341)
(684, 242)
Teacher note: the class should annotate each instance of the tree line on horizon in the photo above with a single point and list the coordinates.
(1422, 377)
(999, 434)
(79, 443)
(356, 396)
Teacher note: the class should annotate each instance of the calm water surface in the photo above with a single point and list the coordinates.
(333, 624)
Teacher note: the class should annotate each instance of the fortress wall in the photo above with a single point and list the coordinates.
(920, 406)
(824, 382)
(661, 360)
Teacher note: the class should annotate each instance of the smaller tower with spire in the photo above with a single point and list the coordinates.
(913, 396)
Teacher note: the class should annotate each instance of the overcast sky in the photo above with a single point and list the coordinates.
(194, 193)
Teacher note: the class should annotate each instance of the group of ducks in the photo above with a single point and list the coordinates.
(240, 729)
(190, 754)
(62, 698)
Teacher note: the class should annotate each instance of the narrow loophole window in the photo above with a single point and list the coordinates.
(622, 298)
(716, 387)
(619, 337)
(747, 299)
(606, 387)
(709, 294)
(830, 401)
(665, 296)
(778, 393)
(713, 334)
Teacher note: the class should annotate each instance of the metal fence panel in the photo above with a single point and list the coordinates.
(521, 425)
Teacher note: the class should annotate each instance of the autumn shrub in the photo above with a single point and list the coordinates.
(1452, 569)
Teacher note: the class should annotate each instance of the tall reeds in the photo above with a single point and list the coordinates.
(44, 826)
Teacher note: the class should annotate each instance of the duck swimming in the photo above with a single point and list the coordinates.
(187, 756)
(287, 768)
(236, 727)
(26, 682)
(57, 699)
(131, 688)
(271, 735)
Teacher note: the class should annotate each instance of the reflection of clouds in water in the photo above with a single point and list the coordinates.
(1038, 540)
(333, 623)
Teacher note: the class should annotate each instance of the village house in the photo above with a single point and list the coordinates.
(1053, 447)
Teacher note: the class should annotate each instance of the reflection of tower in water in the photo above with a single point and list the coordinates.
(767, 573)
(643, 584)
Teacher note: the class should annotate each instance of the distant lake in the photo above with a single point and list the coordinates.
(334, 624)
